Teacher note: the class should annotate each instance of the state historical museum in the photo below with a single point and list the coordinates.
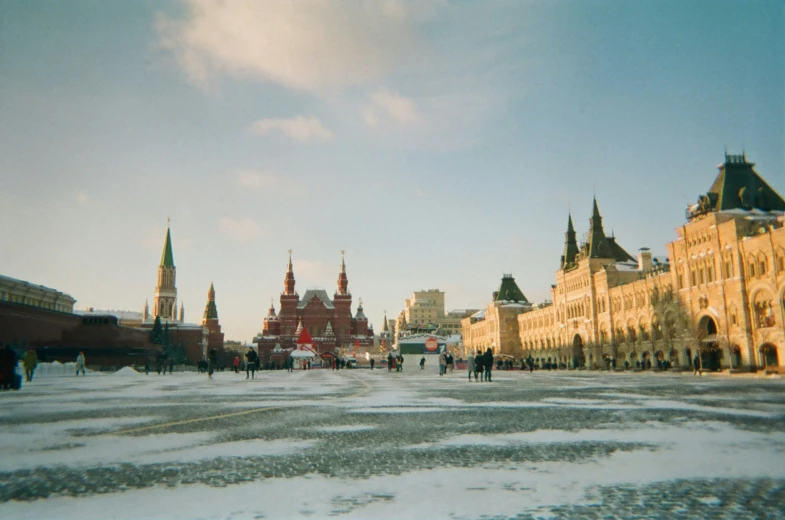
(329, 321)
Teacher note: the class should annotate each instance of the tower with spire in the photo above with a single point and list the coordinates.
(287, 317)
(165, 299)
(215, 338)
(570, 245)
(342, 301)
(329, 320)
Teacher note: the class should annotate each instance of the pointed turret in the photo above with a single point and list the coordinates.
(360, 314)
(343, 281)
(210, 310)
(165, 301)
(570, 245)
(385, 327)
(598, 246)
(182, 313)
(271, 312)
(328, 331)
(146, 312)
(288, 283)
(167, 258)
(299, 327)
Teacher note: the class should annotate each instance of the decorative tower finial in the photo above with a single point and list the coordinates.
(288, 283)
(343, 281)
(182, 313)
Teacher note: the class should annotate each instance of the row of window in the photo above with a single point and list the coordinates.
(24, 300)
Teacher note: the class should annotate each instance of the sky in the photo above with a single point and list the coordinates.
(439, 143)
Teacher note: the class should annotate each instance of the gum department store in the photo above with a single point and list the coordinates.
(720, 292)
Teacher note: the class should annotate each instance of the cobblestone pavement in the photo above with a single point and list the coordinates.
(614, 445)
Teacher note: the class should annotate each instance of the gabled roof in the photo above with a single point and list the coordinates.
(318, 293)
(167, 258)
(509, 290)
(618, 252)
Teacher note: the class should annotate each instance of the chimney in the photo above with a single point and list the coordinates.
(644, 259)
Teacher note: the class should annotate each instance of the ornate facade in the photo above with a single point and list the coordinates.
(329, 321)
(496, 326)
(720, 292)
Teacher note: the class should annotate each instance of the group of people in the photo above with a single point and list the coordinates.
(481, 365)
(395, 362)
(446, 362)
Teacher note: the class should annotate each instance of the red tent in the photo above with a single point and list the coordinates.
(305, 338)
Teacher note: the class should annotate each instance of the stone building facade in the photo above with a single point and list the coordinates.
(720, 292)
(496, 326)
(329, 321)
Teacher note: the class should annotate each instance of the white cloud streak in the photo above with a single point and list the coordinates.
(298, 128)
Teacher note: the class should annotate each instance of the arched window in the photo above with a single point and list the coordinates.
(763, 264)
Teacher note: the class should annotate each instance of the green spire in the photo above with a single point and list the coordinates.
(167, 258)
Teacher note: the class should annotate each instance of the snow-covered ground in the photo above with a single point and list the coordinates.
(374, 444)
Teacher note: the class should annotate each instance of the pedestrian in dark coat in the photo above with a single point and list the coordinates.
(212, 361)
(479, 362)
(488, 363)
(251, 359)
(389, 362)
(697, 363)
(8, 363)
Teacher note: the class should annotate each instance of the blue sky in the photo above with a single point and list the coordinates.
(439, 143)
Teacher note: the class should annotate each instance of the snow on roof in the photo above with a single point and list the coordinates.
(480, 315)
(514, 305)
(119, 314)
(318, 293)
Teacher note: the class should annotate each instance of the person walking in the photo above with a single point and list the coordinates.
(30, 361)
(389, 362)
(488, 363)
(80, 363)
(442, 363)
(479, 361)
(236, 364)
(530, 363)
(8, 362)
(400, 362)
(471, 365)
(212, 360)
(697, 364)
(251, 360)
(372, 363)
(422, 363)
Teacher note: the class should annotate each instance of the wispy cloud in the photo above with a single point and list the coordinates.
(298, 128)
(308, 45)
(390, 106)
(240, 229)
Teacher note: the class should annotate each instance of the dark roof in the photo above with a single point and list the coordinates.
(321, 294)
(618, 252)
(509, 290)
(167, 258)
(738, 186)
(570, 245)
(598, 246)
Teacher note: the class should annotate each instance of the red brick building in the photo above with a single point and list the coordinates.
(329, 321)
